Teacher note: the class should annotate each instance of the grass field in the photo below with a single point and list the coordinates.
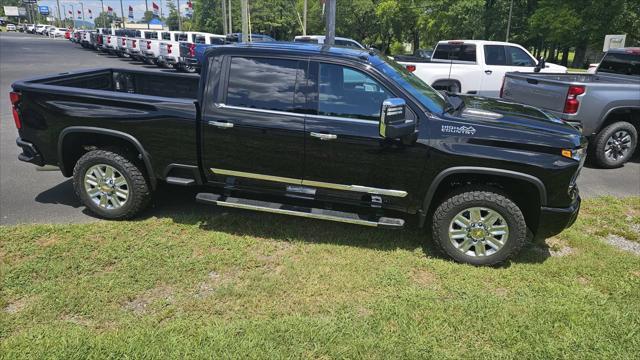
(261, 286)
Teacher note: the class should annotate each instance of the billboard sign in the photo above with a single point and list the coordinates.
(11, 11)
(614, 42)
(44, 10)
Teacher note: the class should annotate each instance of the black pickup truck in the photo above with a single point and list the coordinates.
(321, 132)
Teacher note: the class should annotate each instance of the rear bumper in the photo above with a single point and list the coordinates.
(29, 153)
(553, 220)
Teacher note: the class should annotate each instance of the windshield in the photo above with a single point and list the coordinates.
(616, 63)
(430, 98)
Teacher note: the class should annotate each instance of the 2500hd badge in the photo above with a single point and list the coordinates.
(320, 132)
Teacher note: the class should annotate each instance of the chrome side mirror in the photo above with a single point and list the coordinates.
(393, 122)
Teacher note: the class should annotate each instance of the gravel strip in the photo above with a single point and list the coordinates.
(623, 244)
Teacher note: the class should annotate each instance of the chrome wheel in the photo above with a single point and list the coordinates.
(106, 186)
(478, 231)
(618, 145)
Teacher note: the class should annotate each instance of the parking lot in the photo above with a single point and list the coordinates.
(47, 197)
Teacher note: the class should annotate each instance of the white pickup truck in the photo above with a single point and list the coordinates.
(475, 66)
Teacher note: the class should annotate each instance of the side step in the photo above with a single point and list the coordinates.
(180, 181)
(315, 213)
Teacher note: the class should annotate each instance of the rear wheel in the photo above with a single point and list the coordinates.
(110, 185)
(479, 227)
(615, 144)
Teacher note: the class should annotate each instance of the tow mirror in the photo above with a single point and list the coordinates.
(393, 121)
(541, 65)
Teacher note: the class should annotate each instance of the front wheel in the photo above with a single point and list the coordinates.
(479, 227)
(615, 144)
(110, 185)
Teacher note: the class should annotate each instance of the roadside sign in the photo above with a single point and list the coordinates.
(44, 10)
(613, 42)
(29, 1)
(11, 11)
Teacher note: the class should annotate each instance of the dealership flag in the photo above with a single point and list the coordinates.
(130, 12)
(70, 14)
(79, 15)
(189, 8)
(110, 10)
(90, 14)
(156, 8)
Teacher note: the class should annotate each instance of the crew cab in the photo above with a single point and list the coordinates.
(322, 132)
(475, 66)
(605, 105)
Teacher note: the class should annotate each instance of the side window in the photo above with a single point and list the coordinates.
(262, 83)
(494, 55)
(519, 57)
(345, 92)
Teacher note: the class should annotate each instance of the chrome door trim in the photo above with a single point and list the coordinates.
(321, 184)
(220, 124)
(323, 136)
(276, 112)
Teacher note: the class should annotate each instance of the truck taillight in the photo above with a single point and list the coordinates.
(148, 45)
(108, 39)
(15, 100)
(133, 43)
(124, 42)
(192, 50)
(410, 68)
(572, 103)
(169, 48)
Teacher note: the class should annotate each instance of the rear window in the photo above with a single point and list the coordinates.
(456, 52)
(217, 40)
(199, 39)
(166, 36)
(625, 64)
(181, 37)
(306, 40)
(151, 35)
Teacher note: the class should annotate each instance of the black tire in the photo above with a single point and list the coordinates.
(604, 160)
(138, 187)
(485, 198)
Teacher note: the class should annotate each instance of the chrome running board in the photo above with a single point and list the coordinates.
(307, 212)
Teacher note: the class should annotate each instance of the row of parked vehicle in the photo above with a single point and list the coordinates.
(182, 50)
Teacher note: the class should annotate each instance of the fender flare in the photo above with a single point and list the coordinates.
(542, 191)
(119, 134)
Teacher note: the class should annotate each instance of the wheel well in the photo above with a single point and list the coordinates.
(630, 115)
(524, 193)
(76, 144)
(445, 84)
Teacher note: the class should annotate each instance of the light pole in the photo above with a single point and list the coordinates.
(59, 17)
(509, 21)
(224, 17)
(104, 17)
(330, 30)
(82, 7)
(146, 7)
(122, 13)
(179, 17)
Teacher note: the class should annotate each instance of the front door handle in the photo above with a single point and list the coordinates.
(323, 136)
(221, 124)
(488, 72)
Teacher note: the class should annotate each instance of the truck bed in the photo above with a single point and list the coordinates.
(179, 86)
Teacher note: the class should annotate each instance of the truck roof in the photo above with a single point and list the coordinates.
(299, 48)
(476, 42)
(627, 50)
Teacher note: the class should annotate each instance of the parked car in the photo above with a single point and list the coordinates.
(132, 45)
(121, 49)
(187, 61)
(475, 66)
(39, 29)
(319, 39)
(169, 50)
(151, 46)
(11, 27)
(377, 142)
(605, 105)
(57, 32)
(194, 56)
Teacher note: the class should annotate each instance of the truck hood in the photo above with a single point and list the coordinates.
(506, 121)
(554, 68)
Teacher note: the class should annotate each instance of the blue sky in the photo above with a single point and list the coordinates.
(94, 5)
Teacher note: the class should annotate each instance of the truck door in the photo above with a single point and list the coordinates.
(252, 131)
(496, 65)
(345, 155)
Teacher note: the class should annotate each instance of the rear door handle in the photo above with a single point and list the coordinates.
(323, 136)
(221, 124)
(488, 72)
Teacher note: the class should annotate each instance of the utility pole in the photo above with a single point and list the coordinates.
(230, 23)
(82, 7)
(245, 21)
(179, 17)
(330, 27)
(146, 10)
(122, 13)
(73, 17)
(104, 17)
(509, 21)
(304, 17)
(59, 17)
(225, 28)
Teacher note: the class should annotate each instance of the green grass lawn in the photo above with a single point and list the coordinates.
(264, 286)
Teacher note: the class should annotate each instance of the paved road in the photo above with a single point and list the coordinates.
(28, 196)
